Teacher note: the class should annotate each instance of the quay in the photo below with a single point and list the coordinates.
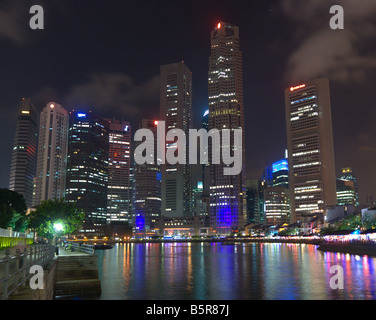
(67, 274)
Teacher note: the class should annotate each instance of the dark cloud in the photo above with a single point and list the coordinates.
(335, 54)
(13, 22)
(115, 93)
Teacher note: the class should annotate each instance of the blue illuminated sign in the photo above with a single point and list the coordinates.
(81, 115)
(280, 165)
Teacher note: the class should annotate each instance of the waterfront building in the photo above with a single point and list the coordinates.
(87, 167)
(147, 190)
(310, 149)
(200, 203)
(176, 112)
(52, 154)
(228, 208)
(119, 196)
(347, 192)
(337, 213)
(277, 205)
(183, 227)
(253, 200)
(206, 167)
(24, 155)
(280, 173)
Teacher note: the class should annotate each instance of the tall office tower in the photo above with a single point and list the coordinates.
(200, 205)
(226, 111)
(310, 147)
(132, 192)
(281, 173)
(347, 174)
(147, 196)
(52, 153)
(267, 175)
(176, 111)
(205, 120)
(87, 168)
(253, 201)
(206, 167)
(118, 192)
(277, 205)
(24, 156)
(346, 193)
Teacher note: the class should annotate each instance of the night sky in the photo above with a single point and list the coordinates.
(106, 55)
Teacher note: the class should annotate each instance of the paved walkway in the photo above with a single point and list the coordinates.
(63, 252)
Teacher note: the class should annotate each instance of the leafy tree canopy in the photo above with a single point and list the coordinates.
(12, 210)
(52, 212)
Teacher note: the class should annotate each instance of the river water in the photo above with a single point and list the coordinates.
(250, 271)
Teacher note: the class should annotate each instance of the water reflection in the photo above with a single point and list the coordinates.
(205, 271)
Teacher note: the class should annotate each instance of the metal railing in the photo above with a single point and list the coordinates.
(15, 270)
(85, 248)
(15, 234)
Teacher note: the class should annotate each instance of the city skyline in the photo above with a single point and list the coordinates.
(187, 154)
(353, 135)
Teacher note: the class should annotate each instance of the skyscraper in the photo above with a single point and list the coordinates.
(24, 156)
(206, 167)
(253, 201)
(147, 195)
(346, 193)
(52, 153)
(87, 168)
(226, 111)
(176, 111)
(281, 173)
(277, 205)
(347, 175)
(310, 148)
(118, 193)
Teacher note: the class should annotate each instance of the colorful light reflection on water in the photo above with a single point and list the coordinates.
(211, 271)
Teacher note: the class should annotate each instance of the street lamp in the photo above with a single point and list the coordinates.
(58, 227)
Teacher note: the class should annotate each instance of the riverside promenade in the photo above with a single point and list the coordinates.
(67, 274)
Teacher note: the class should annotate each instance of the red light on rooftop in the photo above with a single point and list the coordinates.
(297, 87)
(156, 123)
(219, 25)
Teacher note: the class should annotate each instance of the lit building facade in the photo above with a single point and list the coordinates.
(87, 165)
(226, 111)
(281, 173)
(277, 205)
(254, 204)
(147, 190)
(310, 148)
(24, 155)
(347, 191)
(119, 195)
(52, 153)
(176, 111)
(206, 167)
